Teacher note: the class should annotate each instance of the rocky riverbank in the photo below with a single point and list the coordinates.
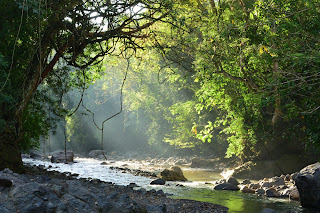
(43, 191)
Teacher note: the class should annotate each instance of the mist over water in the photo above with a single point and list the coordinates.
(121, 133)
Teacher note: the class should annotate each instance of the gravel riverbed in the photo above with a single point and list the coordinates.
(39, 190)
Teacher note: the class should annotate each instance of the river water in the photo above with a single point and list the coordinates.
(197, 188)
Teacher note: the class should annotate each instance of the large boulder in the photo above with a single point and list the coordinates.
(173, 174)
(62, 157)
(232, 180)
(308, 184)
(35, 155)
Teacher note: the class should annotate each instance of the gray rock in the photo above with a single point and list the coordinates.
(308, 184)
(254, 186)
(277, 181)
(15, 178)
(285, 192)
(160, 192)
(226, 186)
(7, 205)
(233, 181)
(95, 153)
(294, 195)
(260, 191)
(247, 181)
(80, 192)
(32, 197)
(272, 192)
(157, 208)
(132, 185)
(173, 174)
(265, 184)
(158, 181)
(35, 155)
(246, 189)
(62, 157)
(76, 205)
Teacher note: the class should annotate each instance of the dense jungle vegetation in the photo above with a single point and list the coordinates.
(219, 77)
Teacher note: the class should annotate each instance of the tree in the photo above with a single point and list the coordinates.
(45, 33)
(257, 64)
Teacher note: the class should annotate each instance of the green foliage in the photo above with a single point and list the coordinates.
(36, 122)
(253, 61)
(213, 73)
(80, 136)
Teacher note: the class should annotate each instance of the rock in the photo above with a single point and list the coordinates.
(260, 191)
(132, 185)
(291, 193)
(294, 195)
(10, 178)
(174, 174)
(226, 186)
(158, 181)
(272, 192)
(308, 184)
(232, 181)
(95, 153)
(60, 157)
(246, 189)
(6, 205)
(294, 175)
(244, 182)
(104, 163)
(35, 155)
(267, 210)
(45, 193)
(254, 186)
(157, 208)
(277, 181)
(285, 193)
(265, 184)
(73, 203)
(31, 197)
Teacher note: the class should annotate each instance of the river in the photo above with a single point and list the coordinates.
(197, 188)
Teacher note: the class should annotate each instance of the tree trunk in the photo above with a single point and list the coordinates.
(10, 155)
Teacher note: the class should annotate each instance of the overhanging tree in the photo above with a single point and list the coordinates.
(39, 34)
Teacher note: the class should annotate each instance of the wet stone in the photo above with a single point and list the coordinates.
(158, 181)
(226, 186)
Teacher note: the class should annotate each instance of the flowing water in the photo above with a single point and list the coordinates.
(197, 188)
